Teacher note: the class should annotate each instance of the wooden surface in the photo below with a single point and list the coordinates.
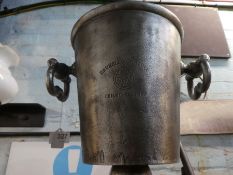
(206, 117)
(200, 35)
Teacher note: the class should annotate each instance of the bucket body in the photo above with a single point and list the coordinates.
(128, 68)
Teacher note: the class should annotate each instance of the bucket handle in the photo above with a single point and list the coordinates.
(195, 70)
(192, 70)
(61, 72)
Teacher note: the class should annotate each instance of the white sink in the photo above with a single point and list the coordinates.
(8, 85)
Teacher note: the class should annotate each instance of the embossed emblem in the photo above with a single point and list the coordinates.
(123, 78)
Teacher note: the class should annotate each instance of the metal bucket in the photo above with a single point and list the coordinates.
(128, 62)
(128, 68)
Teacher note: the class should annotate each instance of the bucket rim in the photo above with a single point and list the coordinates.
(128, 5)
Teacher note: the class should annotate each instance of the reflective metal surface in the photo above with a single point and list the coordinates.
(128, 67)
(128, 63)
(196, 69)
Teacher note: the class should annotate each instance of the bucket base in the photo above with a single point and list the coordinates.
(130, 170)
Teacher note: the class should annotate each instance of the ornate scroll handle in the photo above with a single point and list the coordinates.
(195, 70)
(61, 72)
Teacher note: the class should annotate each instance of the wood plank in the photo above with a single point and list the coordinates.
(207, 117)
(201, 35)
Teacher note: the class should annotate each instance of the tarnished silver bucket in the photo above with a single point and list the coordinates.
(128, 64)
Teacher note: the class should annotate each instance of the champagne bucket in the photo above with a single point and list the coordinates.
(128, 71)
(128, 62)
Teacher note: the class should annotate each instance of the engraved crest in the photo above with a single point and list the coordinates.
(123, 78)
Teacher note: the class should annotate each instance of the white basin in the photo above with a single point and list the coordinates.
(8, 85)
